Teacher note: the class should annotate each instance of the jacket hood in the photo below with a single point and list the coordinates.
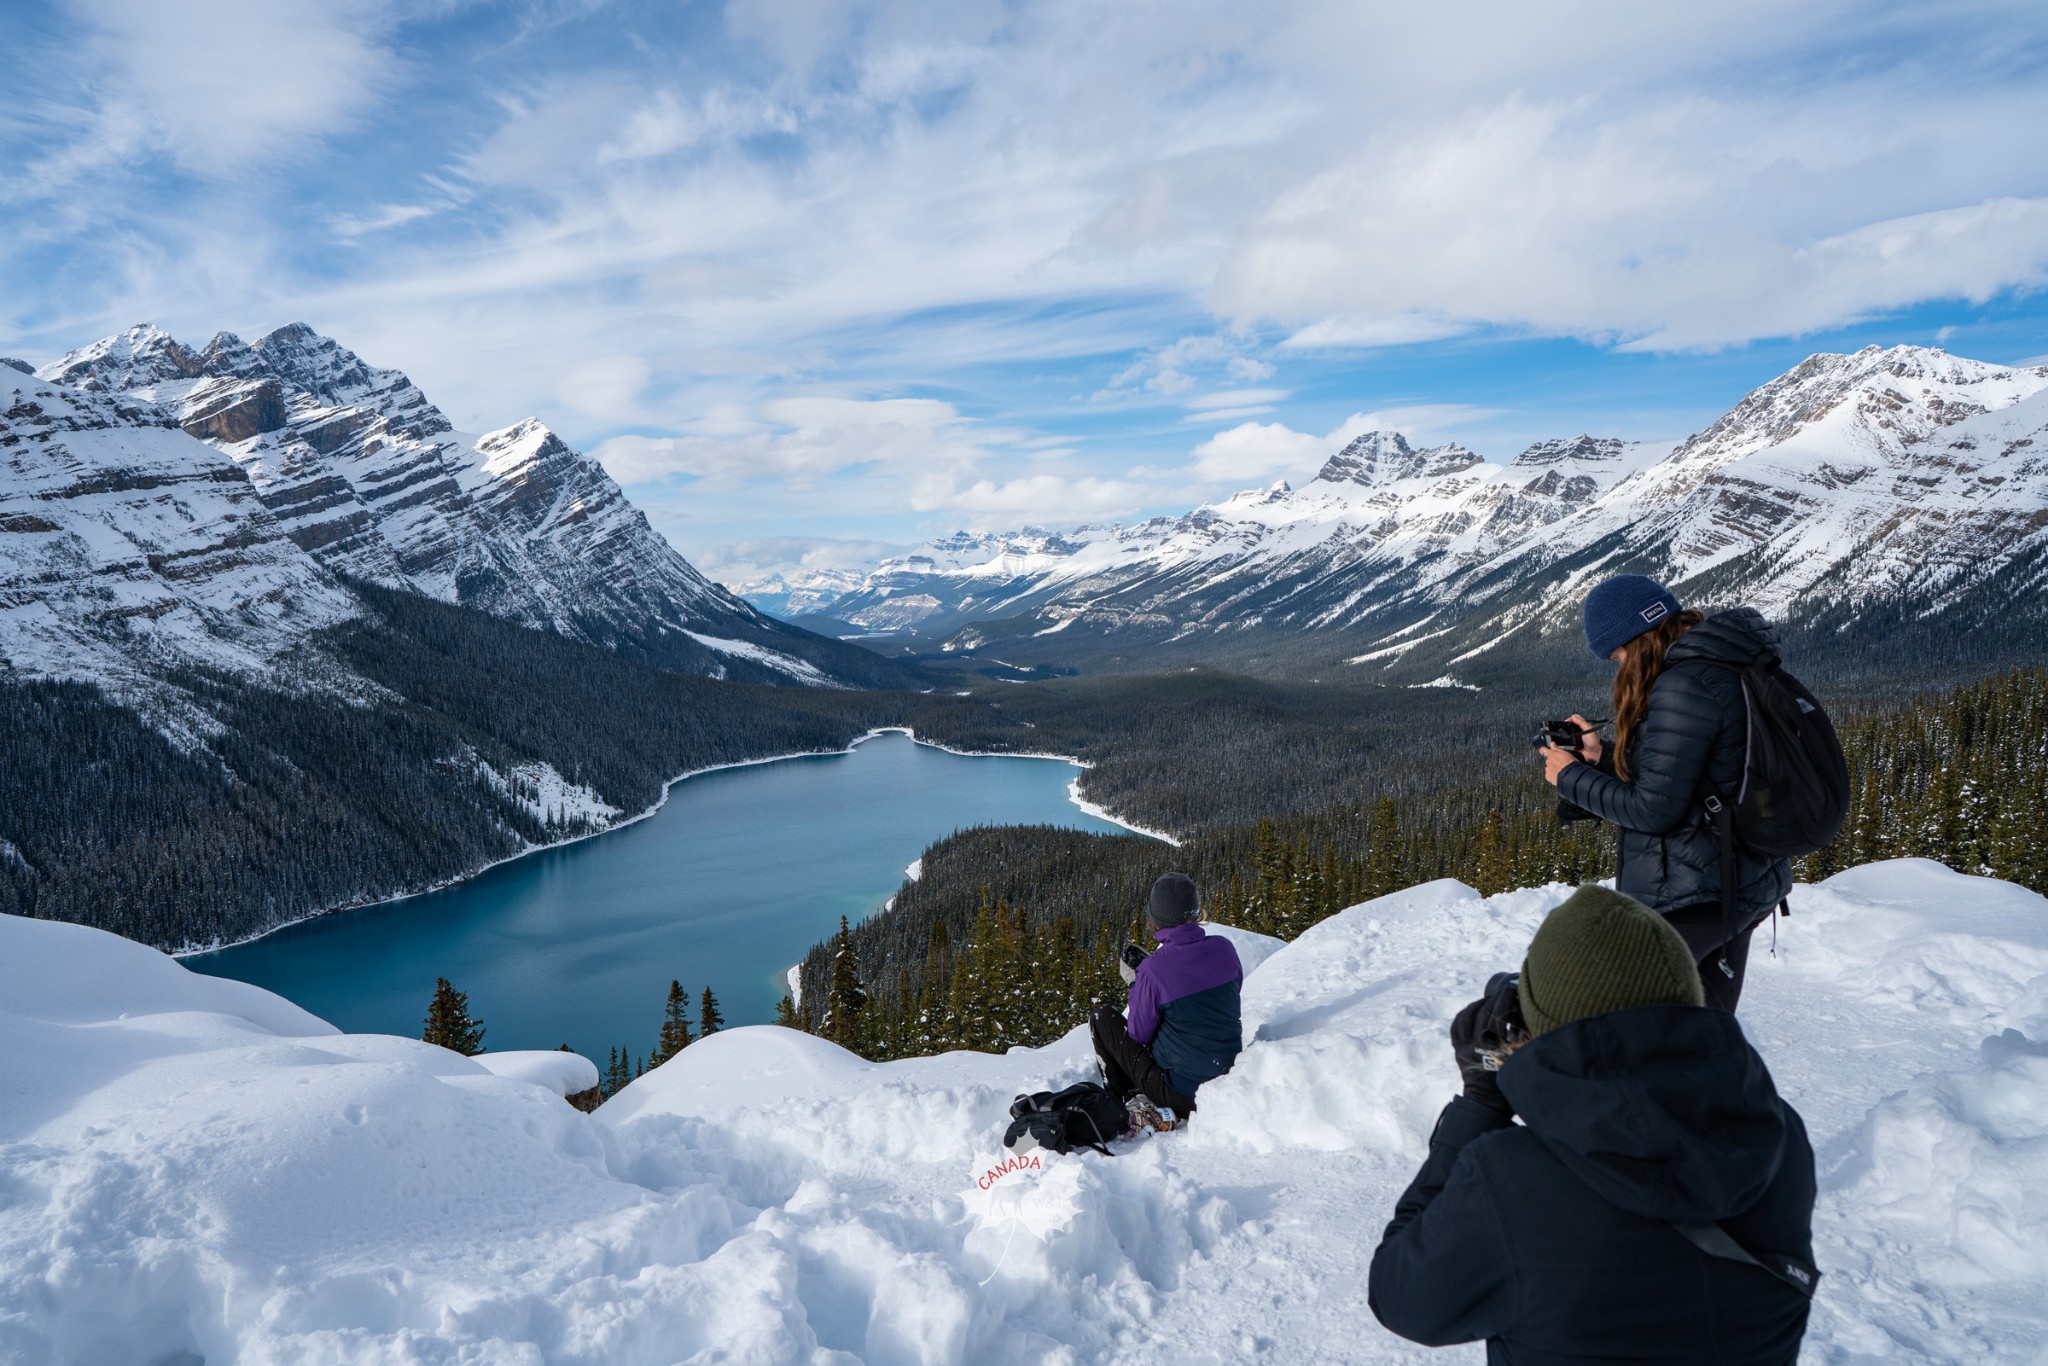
(1180, 934)
(1665, 1111)
(1739, 635)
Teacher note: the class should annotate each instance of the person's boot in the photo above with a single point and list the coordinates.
(1146, 1115)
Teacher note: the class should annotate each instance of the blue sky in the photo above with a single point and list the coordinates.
(811, 278)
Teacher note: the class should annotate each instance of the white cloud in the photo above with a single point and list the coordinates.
(1253, 452)
(1236, 398)
(900, 196)
(219, 84)
(1031, 498)
(1667, 223)
(1365, 331)
(1421, 421)
(608, 387)
(761, 556)
(914, 446)
(1226, 414)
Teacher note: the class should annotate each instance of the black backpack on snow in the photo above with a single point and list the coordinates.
(1794, 793)
(1085, 1115)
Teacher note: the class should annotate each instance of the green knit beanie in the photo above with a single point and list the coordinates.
(1603, 951)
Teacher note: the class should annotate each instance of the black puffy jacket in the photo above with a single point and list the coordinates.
(1689, 744)
(1553, 1240)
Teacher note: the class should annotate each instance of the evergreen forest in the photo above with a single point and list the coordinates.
(1010, 935)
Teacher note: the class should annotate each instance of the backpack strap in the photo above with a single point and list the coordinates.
(1724, 826)
(1716, 1241)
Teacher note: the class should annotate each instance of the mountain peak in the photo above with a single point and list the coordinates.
(140, 355)
(1251, 498)
(1909, 392)
(1576, 448)
(1367, 459)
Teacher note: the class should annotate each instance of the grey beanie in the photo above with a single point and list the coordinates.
(1174, 901)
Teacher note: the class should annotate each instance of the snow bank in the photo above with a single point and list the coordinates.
(189, 1165)
(564, 1074)
(801, 670)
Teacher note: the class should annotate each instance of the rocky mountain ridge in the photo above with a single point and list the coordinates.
(1902, 476)
(358, 469)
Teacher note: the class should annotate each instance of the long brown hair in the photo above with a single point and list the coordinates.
(1642, 659)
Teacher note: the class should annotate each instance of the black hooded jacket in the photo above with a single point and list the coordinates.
(1690, 744)
(1553, 1240)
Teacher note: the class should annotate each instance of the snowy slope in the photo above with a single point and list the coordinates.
(127, 546)
(365, 474)
(1905, 472)
(191, 1166)
(1304, 558)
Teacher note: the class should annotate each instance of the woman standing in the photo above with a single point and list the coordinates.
(1680, 732)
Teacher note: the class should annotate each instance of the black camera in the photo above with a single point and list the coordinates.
(1501, 1027)
(1132, 956)
(1563, 734)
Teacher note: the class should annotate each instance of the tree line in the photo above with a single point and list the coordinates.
(449, 1024)
(1010, 934)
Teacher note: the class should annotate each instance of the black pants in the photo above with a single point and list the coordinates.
(1127, 1065)
(1722, 961)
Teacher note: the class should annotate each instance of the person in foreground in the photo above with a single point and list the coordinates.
(1680, 735)
(1655, 1203)
(1185, 1025)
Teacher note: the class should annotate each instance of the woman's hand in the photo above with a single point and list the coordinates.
(1554, 761)
(1590, 748)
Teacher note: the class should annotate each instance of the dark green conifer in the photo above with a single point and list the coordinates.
(709, 1018)
(675, 1026)
(847, 997)
(448, 1021)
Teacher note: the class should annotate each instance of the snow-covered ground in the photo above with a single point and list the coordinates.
(192, 1169)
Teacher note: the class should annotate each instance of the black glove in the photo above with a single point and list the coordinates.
(1480, 1036)
(1127, 961)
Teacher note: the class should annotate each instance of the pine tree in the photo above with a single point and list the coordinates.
(846, 999)
(1385, 870)
(448, 1021)
(1490, 856)
(618, 1073)
(675, 1026)
(785, 1013)
(709, 1018)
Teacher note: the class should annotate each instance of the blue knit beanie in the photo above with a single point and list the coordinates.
(1623, 608)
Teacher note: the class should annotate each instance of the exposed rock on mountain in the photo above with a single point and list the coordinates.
(127, 548)
(368, 477)
(1901, 481)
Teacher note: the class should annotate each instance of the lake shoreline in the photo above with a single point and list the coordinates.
(1073, 795)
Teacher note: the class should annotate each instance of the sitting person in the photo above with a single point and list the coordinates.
(1655, 1204)
(1184, 1025)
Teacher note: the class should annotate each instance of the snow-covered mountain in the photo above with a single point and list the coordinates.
(1272, 556)
(198, 1170)
(128, 549)
(1900, 475)
(368, 479)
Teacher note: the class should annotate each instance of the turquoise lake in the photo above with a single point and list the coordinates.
(728, 884)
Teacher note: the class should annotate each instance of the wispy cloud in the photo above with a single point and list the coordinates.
(881, 256)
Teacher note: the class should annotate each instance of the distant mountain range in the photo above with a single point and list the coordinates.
(165, 507)
(1906, 487)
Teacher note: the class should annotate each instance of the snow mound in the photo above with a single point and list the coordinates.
(565, 1074)
(193, 1169)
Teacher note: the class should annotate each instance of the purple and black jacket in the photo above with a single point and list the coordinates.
(1185, 1007)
